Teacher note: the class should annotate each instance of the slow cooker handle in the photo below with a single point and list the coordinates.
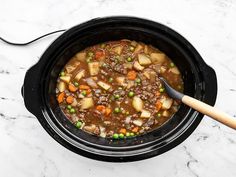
(210, 79)
(30, 91)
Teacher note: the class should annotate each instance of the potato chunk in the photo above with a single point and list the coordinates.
(117, 49)
(144, 60)
(138, 122)
(66, 78)
(93, 68)
(79, 75)
(174, 70)
(86, 103)
(137, 66)
(158, 58)
(166, 102)
(81, 56)
(145, 114)
(137, 103)
(61, 86)
(104, 85)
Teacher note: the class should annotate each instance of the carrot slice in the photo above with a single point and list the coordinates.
(99, 54)
(72, 88)
(101, 108)
(84, 87)
(107, 111)
(61, 97)
(70, 99)
(158, 105)
(88, 91)
(131, 75)
(135, 129)
(123, 130)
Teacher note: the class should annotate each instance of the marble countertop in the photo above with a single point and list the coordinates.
(26, 150)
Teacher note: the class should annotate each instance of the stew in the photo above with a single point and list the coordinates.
(113, 89)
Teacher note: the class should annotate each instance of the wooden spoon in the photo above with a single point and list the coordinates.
(200, 106)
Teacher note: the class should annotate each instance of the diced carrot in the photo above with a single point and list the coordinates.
(108, 111)
(84, 87)
(158, 105)
(88, 91)
(123, 130)
(70, 99)
(132, 75)
(60, 97)
(99, 54)
(72, 88)
(101, 108)
(135, 129)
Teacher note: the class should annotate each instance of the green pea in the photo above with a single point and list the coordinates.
(69, 107)
(90, 54)
(127, 134)
(76, 84)
(131, 48)
(161, 90)
(117, 110)
(78, 124)
(121, 136)
(115, 136)
(72, 110)
(138, 80)
(127, 113)
(129, 59)
(131, 134)
(172, 64)
(62, 73)
(158, 115)
(131, 94)
(116, 96)
(110, 79)
(84, 93)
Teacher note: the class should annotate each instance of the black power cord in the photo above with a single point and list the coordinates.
(27, 43)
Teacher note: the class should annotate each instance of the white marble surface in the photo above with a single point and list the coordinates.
(26, 150)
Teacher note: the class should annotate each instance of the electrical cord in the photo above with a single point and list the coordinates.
(27, 43)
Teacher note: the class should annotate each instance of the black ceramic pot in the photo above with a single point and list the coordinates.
(40, 82)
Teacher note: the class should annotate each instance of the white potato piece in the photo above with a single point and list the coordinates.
(120, 80)
(93, 68)
(137, 103)
(117, 49)
(166, 113)
(138, 48)
(66, 78)
(174, 70)
(81, 56)
(145, 114)
(128, 65)
(144, 60)
(162, 69)
(74, 103)
(138, 122)
(166, 102)
(86, 103)
(104, 85)
(72, 66)
(79, 75)
(89, 128)
(137, 66)
(61, 86)
(158, 58)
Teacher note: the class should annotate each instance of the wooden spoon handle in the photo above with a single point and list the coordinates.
(210, 111)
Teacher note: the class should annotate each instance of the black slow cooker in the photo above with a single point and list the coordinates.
(40, 83)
